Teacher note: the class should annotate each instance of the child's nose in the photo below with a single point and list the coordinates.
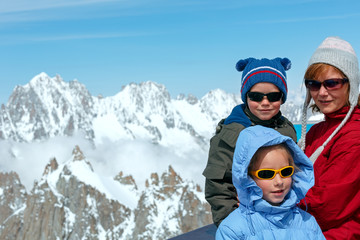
(265, 100)
(278, 179)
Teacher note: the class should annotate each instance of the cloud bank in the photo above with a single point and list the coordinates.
(137, 158)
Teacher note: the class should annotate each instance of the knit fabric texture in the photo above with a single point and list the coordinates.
(340, 54)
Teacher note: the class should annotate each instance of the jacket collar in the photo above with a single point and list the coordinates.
(341, 113)
(242, 114)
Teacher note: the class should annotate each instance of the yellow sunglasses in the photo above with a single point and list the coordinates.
(268, 174)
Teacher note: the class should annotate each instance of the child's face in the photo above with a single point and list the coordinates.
(265, 109)
(274, 190)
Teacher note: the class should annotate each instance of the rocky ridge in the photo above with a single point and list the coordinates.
(66, 205)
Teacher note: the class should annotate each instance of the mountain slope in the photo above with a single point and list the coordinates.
(139, 132)
(47, 107)
(71, 201)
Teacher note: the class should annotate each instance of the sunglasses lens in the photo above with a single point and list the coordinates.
(287, 172)
(274, 96)
(256, 96)
(332, 84)
(266, 174)
(312, 85)
(329, 84)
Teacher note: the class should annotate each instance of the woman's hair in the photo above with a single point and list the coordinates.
(315, 70)
(255, 159)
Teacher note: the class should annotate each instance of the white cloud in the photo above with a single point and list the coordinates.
(23, 5)
(309, 19)
(29, 159)
(87, 36)
(140, 158)
(19, 11)
(137, 158)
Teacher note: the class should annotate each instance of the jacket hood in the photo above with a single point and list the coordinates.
(250, 195)
(238, 115)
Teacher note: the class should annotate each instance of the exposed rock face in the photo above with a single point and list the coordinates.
(126, 180)
(61, 206)
(168, 207)
(47, 107)
(12, 203)
(67, 203)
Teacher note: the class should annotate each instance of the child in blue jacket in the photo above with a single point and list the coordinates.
(271, 175)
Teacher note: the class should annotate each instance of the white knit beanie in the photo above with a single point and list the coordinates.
(340, 54)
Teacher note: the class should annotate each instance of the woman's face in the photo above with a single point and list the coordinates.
(329, 101)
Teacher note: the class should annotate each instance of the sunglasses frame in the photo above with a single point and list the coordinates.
(316, 85)
(256, 173)
(269, 96)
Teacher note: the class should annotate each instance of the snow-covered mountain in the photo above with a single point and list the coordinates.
(48, 107)
(138, 143)
(71, 201)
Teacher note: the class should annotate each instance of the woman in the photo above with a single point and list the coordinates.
(332, 82)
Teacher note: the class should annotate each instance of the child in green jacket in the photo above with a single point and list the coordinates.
(263, 90)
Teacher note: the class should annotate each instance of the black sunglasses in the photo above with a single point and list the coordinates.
(258, 96)
(329, 84)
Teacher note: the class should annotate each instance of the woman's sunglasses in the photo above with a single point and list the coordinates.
(258, 96)
(268, 174)
(329, 84)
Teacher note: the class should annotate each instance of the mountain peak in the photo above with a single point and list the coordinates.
(39, 77)
(171, 178)
(126, 180)
(43, 80)
(78, 155)
(50, 167)
(154, 180)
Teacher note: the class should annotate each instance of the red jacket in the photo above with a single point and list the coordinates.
(334, 200)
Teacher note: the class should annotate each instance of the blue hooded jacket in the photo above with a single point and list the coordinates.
(255, 218)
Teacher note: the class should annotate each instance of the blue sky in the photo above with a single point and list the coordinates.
(190, 46)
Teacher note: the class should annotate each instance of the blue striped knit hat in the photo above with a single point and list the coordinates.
(263, 70)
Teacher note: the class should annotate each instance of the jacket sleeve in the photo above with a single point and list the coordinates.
(335, 197)
(219, 189)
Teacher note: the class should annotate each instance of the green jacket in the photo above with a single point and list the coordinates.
(219, 189)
